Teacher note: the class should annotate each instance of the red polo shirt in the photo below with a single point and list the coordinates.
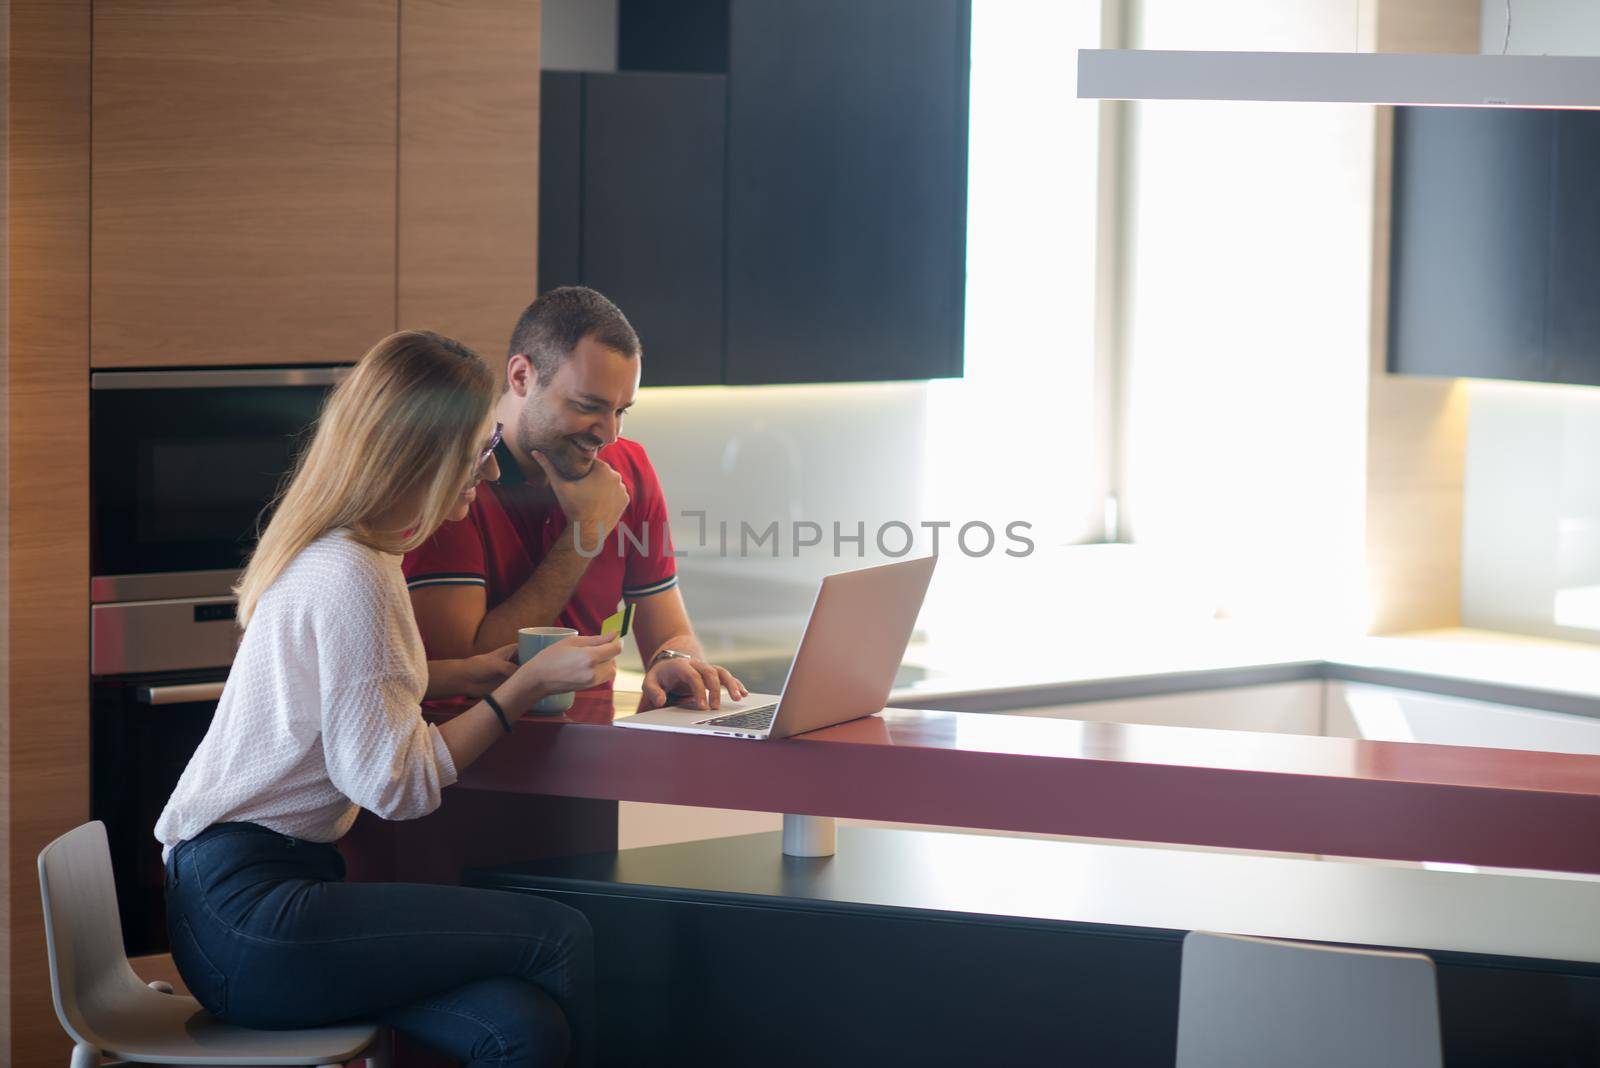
(509, 528)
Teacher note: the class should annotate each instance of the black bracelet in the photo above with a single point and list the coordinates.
(489, 700)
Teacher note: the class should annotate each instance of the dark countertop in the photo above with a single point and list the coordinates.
(1153, 891)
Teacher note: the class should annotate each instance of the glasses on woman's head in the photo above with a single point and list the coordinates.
(488, 451)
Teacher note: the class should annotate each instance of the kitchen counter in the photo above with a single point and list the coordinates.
(1558, 676)
(971, 949)
(991, 675)
(1230, 789)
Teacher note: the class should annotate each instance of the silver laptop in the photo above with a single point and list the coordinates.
(845, 666)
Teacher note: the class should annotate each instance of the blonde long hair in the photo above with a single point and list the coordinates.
(414, 411)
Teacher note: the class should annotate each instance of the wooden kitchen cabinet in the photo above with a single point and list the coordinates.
(793, 211)
(560, 179)
(847, 149)
(631, 204)
(1470, 237)
(244, 176)
(1495, 252)
(652, 214)
(469, 157)
(1574, 299)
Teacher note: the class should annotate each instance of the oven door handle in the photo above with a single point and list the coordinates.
(178, 695)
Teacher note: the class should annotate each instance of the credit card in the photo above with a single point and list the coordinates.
(619, 621)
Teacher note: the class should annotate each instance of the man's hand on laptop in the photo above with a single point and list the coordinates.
(690, 682)
(596, 501)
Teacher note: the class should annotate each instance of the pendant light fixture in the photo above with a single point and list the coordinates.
(1440, 79)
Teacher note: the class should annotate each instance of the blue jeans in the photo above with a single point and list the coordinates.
(266, 934)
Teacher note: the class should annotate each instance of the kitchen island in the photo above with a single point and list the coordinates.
(1519, 954)
(915, 947)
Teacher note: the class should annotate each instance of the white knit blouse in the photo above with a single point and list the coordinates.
(321, 713)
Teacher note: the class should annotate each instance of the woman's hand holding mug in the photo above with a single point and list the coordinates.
(575, 663)
(481, 674)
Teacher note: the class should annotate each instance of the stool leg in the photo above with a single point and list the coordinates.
(381, 1052)
(85, 1056)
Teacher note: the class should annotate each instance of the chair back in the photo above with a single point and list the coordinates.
(82, 931)
(1246, 1002)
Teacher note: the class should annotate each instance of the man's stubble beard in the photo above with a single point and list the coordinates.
(534, 434)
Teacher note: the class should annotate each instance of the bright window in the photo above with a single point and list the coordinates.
(1015, 438)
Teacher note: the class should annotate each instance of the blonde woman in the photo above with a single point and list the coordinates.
(321, 717)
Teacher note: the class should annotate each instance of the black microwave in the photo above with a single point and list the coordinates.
(182, 465)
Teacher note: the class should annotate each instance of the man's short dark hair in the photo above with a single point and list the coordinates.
(552, 326)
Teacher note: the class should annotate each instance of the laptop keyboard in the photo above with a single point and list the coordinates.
(754, 719)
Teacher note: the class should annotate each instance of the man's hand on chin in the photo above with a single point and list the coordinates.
(595, 502)
(689, 683)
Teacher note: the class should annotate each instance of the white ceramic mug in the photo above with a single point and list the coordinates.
(531, 641)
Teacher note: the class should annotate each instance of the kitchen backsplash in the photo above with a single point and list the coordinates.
(1531, 522)
(733, 462)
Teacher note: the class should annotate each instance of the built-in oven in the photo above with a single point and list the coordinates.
(182, 465)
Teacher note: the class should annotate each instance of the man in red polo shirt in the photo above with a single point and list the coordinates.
(571, 519)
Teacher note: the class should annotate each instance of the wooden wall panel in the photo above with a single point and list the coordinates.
(469, 167)
(1428, 25)
(5, 533)
(1416, 464)
(46, 768)
(244, 180)
(242, 156)
(1416, 428)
